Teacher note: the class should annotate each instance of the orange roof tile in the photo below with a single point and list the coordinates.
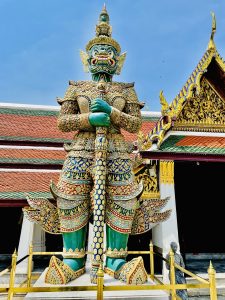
(145, 128)
(44, 128)
(40, 127)
(202, 141)
(26, 181)
(32, 154)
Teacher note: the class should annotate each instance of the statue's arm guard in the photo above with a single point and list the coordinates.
(70, 118)
(130, 118)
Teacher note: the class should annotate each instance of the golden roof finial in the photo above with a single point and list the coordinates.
(211, 44)
(164, 104)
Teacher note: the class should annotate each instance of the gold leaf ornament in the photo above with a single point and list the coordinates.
(121, 60)
(84, 59)
(164, 104)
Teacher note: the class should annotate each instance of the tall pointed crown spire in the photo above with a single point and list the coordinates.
(103, 27)
(103, 32)
(211, 44)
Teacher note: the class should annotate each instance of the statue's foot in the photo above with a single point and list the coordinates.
(132, 272)
(59, 273)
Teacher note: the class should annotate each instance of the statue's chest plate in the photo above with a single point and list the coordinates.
(88, 92)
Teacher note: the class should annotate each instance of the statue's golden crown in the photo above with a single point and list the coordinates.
(103, 33)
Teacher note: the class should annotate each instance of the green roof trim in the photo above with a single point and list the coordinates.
(27, 112)
(37, 161)
(169, 145)
(34, 139)
(171, 141)
(22, 195)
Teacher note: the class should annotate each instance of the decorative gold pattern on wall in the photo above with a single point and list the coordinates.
(150, 182)
(166, 171)
(206, 111)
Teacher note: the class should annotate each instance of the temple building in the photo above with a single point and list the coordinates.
(31, 155)
(180, 156)
(188, 144)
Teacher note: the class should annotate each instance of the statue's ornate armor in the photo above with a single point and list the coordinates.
(74, 188)
(97, 175)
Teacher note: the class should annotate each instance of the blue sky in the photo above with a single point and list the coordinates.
(164, 40)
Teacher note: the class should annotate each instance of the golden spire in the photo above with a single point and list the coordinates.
(211, 44)
(104, 10)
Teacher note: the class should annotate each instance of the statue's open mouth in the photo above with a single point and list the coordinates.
(103, 60)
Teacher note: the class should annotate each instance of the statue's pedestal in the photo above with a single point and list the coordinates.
(85, 280)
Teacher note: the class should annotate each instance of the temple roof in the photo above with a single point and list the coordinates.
(194, 144)
(31, 150)
(211, 71)
(31, 155)
(36, 123)
(30, 123)
(16, 182)
(189, 148)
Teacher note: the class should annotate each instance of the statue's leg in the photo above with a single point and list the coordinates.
(73, 221)
(74, 244)
(121, 204)
(116, 248)
(73, 202)
(119, 217)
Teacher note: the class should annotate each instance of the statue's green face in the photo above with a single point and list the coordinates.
(102, 59)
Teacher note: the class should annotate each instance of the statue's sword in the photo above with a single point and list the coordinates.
(101, 145)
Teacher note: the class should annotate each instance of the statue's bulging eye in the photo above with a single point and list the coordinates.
(94, 52)
(110, 52)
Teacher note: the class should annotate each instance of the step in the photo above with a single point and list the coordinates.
(85, 280)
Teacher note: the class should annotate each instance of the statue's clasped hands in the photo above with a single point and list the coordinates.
(100, 113)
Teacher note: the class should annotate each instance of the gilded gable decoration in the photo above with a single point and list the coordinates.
(204, 111)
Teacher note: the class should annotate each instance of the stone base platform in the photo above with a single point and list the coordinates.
(91, 295)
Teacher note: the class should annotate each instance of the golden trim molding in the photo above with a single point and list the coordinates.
(166, 171)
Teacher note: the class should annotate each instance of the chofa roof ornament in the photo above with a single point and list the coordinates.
(211, 44)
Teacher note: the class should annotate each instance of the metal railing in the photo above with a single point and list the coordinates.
(100, 287)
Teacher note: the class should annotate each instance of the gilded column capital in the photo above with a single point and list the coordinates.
(166, 171)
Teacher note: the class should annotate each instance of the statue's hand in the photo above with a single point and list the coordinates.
(99, 119)
(99, 105)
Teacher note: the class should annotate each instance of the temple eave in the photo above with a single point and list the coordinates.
(156, 155)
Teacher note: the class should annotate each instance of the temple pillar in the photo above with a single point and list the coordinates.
(39, 239)
(31, 233)
(166, 232)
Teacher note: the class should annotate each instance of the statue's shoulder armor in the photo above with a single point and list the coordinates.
(122, 85)
(79, 83)
(74, 89)
(72, 82)
(82, 87)
(129, 93)
(127, 85)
